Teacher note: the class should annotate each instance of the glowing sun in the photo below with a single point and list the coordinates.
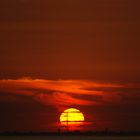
(71, 117)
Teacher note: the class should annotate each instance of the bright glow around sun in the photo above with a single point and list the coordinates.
(71, 116)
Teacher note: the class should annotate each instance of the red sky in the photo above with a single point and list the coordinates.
(78, 53)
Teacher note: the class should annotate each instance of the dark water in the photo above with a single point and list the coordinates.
(66, 138)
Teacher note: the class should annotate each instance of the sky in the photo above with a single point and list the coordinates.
(57, 54)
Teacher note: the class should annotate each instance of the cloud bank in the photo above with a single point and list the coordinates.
(59, 93)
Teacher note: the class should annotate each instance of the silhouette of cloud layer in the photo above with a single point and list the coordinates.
(68, 92)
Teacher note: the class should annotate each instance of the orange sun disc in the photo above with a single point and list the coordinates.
(71, 116)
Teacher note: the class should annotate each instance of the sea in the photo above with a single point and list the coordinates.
(68, 138)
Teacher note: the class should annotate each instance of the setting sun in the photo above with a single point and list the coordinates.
(71, 117)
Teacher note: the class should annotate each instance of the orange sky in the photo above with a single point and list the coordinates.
(77, 53)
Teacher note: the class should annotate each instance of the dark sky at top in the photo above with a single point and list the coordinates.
(77, 39)
(58, 54)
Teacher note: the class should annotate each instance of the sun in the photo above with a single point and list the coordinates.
(72, 117)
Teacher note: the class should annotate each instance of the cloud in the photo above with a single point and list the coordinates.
(59, 98)
(68, 92)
